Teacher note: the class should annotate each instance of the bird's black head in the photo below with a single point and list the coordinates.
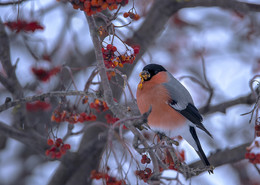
(150, 70)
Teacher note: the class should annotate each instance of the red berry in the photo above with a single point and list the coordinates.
(114, 49)
(126, 14)
(109, 46)
(67, 146)
(63, 149)
(136, 50)
(47, 152)
(50, 142)
(58, 155)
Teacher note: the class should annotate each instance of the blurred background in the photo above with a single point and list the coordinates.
(213, 48)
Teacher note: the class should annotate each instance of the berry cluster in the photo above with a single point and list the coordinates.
(111, 60)
(144, 174)
(57, 148)
(99, 106)
(110, 74)
(93, 6)
(131, 15)
(253, 151)
(108, 179)
(253, 158)
(145, 159)
(43, 74)
(22, 25)
(38, 106)
(73, 118)
(169, 160)
(110, 119)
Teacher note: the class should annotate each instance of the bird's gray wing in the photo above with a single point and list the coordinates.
(182, 102)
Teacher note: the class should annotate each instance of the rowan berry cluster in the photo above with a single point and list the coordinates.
(145, 159)
(43, 74)
(57, 149)
(144, 174)
(23, 25)
(38, 106)
(253, 158)
(108, 179)
(131, 15)
(73, 118)
(99, 106)
(93, 6)
(111, 119)
(168, 160)
(112, 60)
(253, 152)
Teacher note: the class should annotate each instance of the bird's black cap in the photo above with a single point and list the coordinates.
(153, 69)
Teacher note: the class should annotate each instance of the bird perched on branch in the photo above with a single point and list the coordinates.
(172, 106)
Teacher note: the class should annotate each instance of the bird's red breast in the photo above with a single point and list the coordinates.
(154, 94)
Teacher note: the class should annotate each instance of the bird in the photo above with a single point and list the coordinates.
(172, 106)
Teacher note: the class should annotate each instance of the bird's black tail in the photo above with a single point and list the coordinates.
(200, 151)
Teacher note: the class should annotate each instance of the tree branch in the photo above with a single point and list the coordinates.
(30, 139)
(41, 97)
(225, 156)
(12, 2)
(222, 107)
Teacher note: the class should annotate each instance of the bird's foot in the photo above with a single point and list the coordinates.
(210, 169)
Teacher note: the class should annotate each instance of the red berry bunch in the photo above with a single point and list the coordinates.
(93, 6)
(73, 118)
(169, 160)
(109, 56)
(253, 152)
(99, 106)
(145, 159)
(111, 60)
(38, 106)
(253, 158)
(57, 148)
(109, 179)
(131, 15)
(43, 74)
(110, 119)
(144, 174)
(22, 25)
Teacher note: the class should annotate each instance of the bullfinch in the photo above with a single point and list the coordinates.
(172, 106)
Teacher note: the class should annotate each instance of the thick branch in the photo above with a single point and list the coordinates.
(30, 139)
(12, 83)
(222, 107)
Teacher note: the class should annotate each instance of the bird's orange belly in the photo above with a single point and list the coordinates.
(162, 115)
